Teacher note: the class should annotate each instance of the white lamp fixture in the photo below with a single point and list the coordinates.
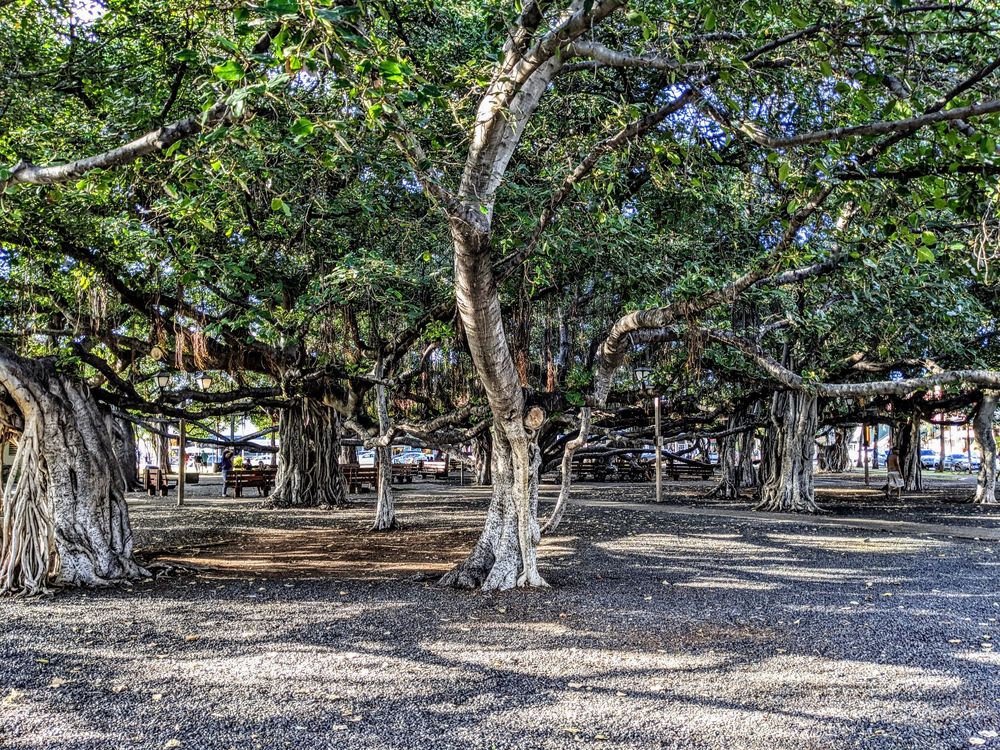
(204, 381)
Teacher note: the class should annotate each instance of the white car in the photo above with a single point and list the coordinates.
(410, 456)
(366, 458)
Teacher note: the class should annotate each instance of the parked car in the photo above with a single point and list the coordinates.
(928, 458)
(366, 458)
(409, 456)
(956, 462)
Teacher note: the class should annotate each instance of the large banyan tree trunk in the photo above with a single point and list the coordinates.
(836, 456)
(65, 521)
(982, 425)
(385, 507)
(787, 461)
(505, 555)
(309, 474)
(482, 458)
(736, 454)
(907, 448)
(123, 439)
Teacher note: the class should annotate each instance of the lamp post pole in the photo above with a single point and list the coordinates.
(659, 451)
(182, 469)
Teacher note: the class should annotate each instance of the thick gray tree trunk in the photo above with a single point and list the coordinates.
(385, 507)
(787, 461)
(309, 473)
(65, 521)
(503, 558)
(482, 458)
(836, 456)
(907, 447)
(982, 425)
(736, 455)
(123, 439)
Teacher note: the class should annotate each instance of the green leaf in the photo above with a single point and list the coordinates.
(783, 172)
(925, 255)
(228, 71)
(302, 127)
(710, 21)
(928, 238)
(279, 205)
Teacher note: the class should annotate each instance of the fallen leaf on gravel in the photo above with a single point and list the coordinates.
(335, 697)
(600, 737)
(988, 733)
(501, 610)
(58, 682)
(571, 730)
(12, 697)
(574, 684)
(192, 637)
(338, 727)
(157, 696)
(42, 661)
(954, 640)
(977, 741)
(171, 744)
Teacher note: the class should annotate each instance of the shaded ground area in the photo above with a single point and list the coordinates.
(946, 498)
(659, 631)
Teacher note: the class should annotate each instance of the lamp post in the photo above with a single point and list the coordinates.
(645, 378)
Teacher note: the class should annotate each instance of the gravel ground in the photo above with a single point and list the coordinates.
(659, 632)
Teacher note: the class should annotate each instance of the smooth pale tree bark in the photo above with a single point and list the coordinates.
(836, 456)
(502, 557)
(907, 447)
(566, 481)
(482, 458)
(385, 507)
(309, 473)
(787, 460)
(65, 521)
(982, 425)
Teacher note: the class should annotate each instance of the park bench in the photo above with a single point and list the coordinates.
(597, 468)
(156, 481)
(630, 469)
(359, 478)
(364, 478)
(675, 468)
(260, 479)
(435, 468)
(403, 473)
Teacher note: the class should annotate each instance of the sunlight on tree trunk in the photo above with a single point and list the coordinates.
(982, 425)
(787, 461)
(65, 520)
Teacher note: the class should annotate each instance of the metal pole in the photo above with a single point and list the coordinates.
(182, 469)
(968, 446)
(659, 451)
(867, 434)
(941, 436)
